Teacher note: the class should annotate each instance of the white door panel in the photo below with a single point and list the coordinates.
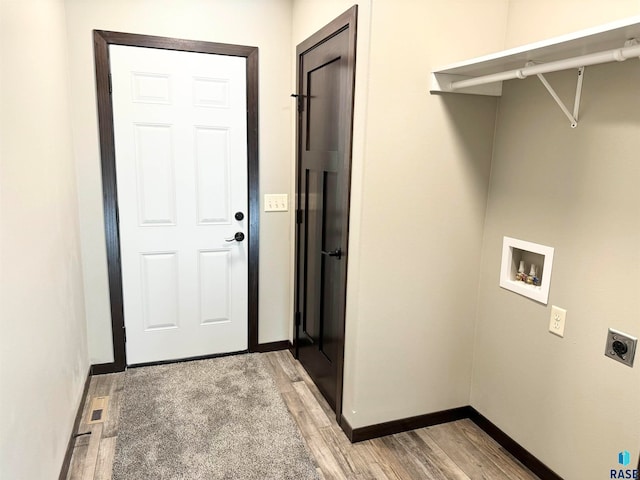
(181, 162)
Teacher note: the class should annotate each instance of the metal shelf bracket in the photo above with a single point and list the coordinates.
(573, 117)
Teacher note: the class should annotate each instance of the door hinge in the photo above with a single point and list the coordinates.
(124, 332)
(298, 216)
(110, 84)
(298, 319)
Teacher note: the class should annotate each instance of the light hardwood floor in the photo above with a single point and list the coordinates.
(458, 450)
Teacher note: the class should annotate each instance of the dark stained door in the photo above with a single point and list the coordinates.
(326, 65)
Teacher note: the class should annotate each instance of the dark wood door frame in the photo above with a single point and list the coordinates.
(101, 41)
(347, 20)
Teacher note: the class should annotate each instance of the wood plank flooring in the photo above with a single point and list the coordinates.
(458, 450)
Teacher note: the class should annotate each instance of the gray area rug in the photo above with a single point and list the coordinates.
(209, 419)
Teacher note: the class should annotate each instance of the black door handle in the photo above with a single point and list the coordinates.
(238, 237)
(333, 253)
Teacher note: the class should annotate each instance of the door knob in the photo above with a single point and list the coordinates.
(239, 216)
(238, 237)
(333, 253)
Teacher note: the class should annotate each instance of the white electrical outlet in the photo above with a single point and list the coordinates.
(556, 322)
(278, 202)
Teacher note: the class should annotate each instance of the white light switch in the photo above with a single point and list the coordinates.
(556, 322)
(278, 202)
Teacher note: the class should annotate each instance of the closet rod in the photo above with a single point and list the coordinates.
(615, 55)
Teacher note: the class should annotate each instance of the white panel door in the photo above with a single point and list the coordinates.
(180, 122)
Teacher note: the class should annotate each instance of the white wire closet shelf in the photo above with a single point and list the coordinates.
(616, 41)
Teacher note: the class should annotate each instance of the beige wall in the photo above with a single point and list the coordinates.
(577, 191)
(43, 347)
(266, 25)
(535, 20)
(427, 162)
(421, 168)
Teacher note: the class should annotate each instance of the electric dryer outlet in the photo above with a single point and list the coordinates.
(621, 347)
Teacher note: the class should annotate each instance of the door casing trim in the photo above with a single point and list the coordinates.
(347, 20)
(101, 41)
